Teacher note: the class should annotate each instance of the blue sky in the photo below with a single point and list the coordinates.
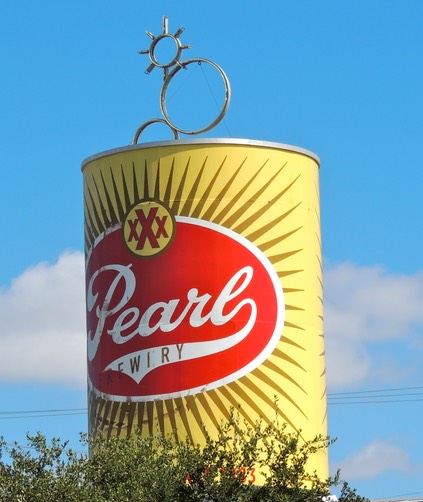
(342, 79)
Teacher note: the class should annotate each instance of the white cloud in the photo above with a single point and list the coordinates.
(367, 306)
(42, 333)
(375, 458)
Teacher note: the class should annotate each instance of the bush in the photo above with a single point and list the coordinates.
(147, 469)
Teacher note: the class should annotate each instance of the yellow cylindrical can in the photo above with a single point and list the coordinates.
(204, 290)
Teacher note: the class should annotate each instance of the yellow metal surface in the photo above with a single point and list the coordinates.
(271, 197)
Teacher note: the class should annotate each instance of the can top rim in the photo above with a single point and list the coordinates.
(202, 141)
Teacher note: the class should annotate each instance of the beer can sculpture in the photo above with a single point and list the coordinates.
(204, 290)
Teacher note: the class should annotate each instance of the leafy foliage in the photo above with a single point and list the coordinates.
(147, 469)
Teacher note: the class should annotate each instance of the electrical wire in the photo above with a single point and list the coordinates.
(392, 497)
(44, 415)
(43, 411)
(334, 398)
(371, 391)
(331, 403)
(377, 396)
(64, 412)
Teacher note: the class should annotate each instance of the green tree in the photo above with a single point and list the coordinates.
(148, 469)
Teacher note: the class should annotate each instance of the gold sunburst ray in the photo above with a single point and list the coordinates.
(168, 190)
(95, 214)
(135, 184)
(293, 290)
(276, 241)
(89, 229)
(112, 420)
(186, 209)
(160, 416)
(276, 369)
(214, 396)
(262, 212)
(145, 187)
(277, 389)
(105, 221)
(94, 410)
(150, 417)
(119, 206)
(110, 208)
(140, 415)
(204, 199)
(207, 409)
(248, 401)
(281, 355)
(294, 326)
(157, 184)
(170, 409)
(177, 199)
(131, 408)
(319, 241)
(192, 406)
(285, 273)
(234, 217)
(208, 215)
(228, 395)
(260, 395)
(180, 405)
(104, 417)
(265, 228)
(121, 421)
(286, 339)
(126, 195)
(283, 256)
(319, 261)
(293, 307)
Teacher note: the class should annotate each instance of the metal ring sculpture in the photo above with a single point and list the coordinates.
(165, 86)
(168, 76)
(148, 123)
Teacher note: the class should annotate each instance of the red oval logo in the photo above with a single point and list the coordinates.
(205, 312)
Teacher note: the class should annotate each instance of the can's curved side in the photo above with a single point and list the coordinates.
(163, 225)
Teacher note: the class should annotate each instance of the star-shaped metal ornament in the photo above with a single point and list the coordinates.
(179, 47)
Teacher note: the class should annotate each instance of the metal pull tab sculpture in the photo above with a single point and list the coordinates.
(170, 69)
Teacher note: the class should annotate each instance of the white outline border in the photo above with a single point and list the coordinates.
(264, 354)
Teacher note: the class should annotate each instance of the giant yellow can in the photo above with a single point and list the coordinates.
(204, 290)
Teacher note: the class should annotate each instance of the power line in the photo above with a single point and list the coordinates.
(392, 497)
(63, 412)
(334, 398)
(376, 402)
(376, 396)
(372, 391)
(42, 411)
(44, 415)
